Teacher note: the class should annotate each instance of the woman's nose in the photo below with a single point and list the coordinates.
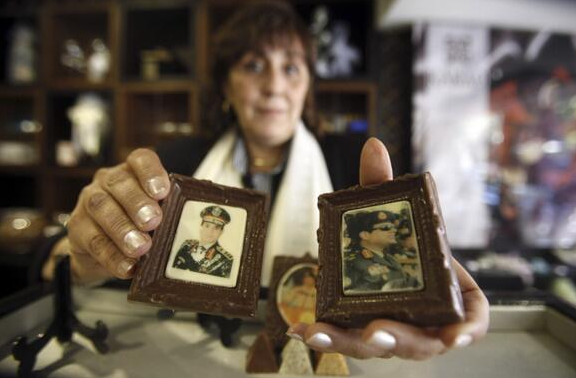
(274, 82)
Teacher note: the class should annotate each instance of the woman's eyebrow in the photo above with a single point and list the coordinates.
(295, 54)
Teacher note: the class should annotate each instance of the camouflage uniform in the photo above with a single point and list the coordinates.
(358, 260)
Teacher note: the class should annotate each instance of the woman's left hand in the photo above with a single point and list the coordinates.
(387, 338)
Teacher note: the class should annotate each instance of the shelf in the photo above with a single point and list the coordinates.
(20, 170)
(143, 109)
(19, 90)
(350, 22)
(347, 106)
(159, 86)
(78, 84)
(19, 24)
(158, 42)
(59, 125)
(165, 112)
(74, 28)
(345, 85)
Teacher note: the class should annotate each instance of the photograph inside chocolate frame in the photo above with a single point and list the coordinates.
(208, 244)
(380, 251)
(296, 294)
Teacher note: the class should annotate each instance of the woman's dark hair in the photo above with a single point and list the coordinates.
(297, 277)
(256, 25)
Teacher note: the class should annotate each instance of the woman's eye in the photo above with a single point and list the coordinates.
(292, 69)
(254, 66)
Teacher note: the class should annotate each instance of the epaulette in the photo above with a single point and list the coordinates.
(350, 255)
(191, 242)
(224, 252)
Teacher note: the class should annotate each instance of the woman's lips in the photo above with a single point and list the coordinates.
(271, 111)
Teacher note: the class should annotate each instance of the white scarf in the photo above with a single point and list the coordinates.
(295, 217)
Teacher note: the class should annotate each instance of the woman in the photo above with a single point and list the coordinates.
(262, 72)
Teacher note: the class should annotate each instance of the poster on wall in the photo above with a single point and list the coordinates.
(495, 123)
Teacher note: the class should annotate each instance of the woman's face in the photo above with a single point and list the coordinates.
(267, 91)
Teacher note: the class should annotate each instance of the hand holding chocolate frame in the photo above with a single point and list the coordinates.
(214, 270)
(384, 254)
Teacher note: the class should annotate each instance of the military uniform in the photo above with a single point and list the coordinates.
(367, 270)
(357, 261)
(215, 261)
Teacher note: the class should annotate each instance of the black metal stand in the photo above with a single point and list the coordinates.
(226, 327)
(62, 327)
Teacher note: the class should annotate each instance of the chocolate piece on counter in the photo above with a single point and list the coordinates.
(289, 272)
(296, 359)
(261, 357)
(384, 254)
(332, 364)
(206, 255)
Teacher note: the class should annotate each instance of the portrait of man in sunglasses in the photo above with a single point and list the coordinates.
(372, 251)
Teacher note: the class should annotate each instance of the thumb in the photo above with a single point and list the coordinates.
(375, 165)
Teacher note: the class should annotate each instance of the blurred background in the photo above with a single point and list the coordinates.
(483, 96)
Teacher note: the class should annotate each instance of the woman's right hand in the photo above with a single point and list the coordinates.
(108, 228)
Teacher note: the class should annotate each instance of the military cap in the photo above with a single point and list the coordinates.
(216, 215)
(404, 224)
(368, 221)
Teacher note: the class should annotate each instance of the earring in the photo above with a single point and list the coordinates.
(225, 106)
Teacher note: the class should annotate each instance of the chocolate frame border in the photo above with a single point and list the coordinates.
(275, 326)
(150, 285)
(439, 302)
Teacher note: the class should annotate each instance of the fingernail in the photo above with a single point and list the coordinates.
(382, 340)
(463, 341)
(134, 240)
(147, 213)
(156, 186)
(125, 266)
(294, 335)
(320, 340)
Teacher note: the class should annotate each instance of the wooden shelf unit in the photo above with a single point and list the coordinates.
(142, 111)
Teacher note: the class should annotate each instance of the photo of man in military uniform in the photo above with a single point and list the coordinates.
(206, 255)
(371, 259)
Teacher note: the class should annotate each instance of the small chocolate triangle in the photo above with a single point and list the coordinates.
(296, 359)
(261, 357)
(332, 364)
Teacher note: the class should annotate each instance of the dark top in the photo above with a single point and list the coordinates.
(341, 152)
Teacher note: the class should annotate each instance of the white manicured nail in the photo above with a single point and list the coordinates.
(320, 340)
(156, 186)
(463, 341)
(147, 213)
(134, 240)
(382, 340)
(125, 266)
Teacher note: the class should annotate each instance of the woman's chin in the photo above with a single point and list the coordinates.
(273, 136)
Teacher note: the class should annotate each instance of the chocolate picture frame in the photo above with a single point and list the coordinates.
(233, 295)
(437, 302)
(275, 325)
